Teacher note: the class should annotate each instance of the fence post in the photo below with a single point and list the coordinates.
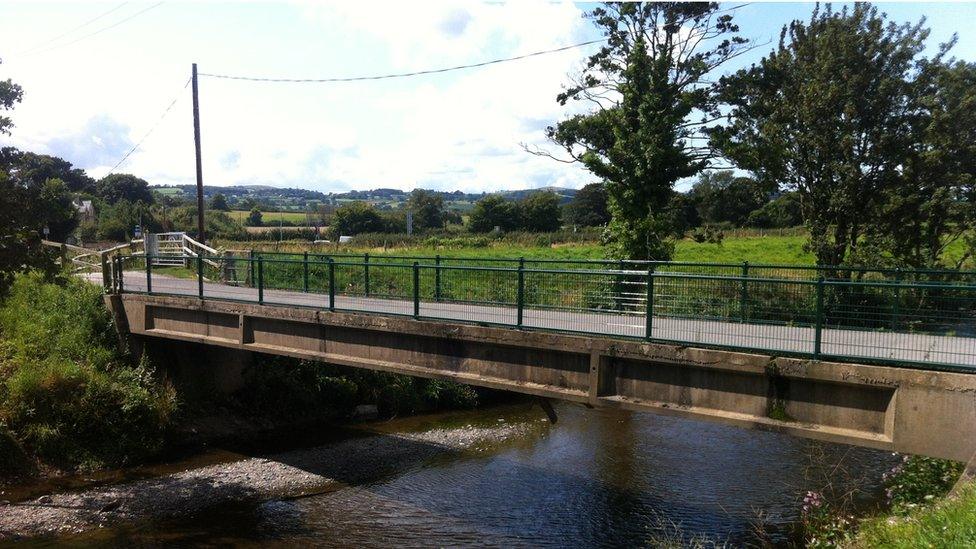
(200, 274)
(148, 275)
(331, 284)
(366, 272)
(305, 274)
(744, 293)
(260, 280)
(119, 269)
(820, 318)
(520, 297)
(620, 286)
(250, 267)
(649, 327)
(416, 289)
(108, 280)
(437, 277)
(896, 306)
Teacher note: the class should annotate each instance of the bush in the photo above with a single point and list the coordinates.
(67, 393)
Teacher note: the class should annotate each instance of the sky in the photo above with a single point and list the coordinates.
(94, 88)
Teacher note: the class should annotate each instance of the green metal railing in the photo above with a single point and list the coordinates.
(903, 321)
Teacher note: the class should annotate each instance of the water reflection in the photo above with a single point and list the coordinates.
(597, 478)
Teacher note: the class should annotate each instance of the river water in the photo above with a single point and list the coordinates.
(596, 478)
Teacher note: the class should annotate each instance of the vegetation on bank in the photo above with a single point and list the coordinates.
(69, 396)
(913, 514)
(72, 398)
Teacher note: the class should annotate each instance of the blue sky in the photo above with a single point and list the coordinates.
(91, 100)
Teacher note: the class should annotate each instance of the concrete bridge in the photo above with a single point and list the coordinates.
(787, 377)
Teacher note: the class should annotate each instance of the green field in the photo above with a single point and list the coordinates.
(270, 218)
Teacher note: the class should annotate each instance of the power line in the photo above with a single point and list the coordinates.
(402, 74)
(153, 128)
(71, 30)
(103, 29)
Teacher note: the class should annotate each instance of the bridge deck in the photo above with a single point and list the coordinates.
(888, 346)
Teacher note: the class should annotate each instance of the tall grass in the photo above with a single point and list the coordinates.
(68, 394)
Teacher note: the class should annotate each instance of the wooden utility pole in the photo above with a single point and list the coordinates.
(196, 142)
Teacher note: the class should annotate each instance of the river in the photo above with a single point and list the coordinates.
(596, 478)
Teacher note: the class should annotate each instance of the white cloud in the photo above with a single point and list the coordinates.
(457, 130)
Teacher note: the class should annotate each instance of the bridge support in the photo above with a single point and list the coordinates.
(899, 409)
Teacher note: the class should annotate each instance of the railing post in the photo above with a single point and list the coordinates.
(250, 267)
(620, 285)
(366, 272)
(120, 273)
(260, 280)
(416, 289)
(649, 323)
(437, 277)
(818, 331)
(331, 284)
(200, 274)
(148, 274)
(520, 297)
(108, 280)
(744, 293)
(896, 306)
(305, 274)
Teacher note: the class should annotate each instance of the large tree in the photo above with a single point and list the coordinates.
(649, 99)
(828, 114)
(493, 211)
(540, 212)
(35, 169)
(123, 186)
(427, 208)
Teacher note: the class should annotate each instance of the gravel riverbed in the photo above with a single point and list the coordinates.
(284, 475)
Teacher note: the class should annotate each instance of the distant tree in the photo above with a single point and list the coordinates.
(59, 214)
(589, 207)
(452, 217)
(781, 212)
(649, 89)
(685, 213)
(540, 212)
(219, 202)
(254, 219)
(123, 186)
(427, 208)
(493, 211)
(10, 94)
(721, 197)
(825, 114)
(356, 218)
(118, 221)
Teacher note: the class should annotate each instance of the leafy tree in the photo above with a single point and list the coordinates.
(10, 93)
(540, 212)
(254, 219)
(35, 169)
(720, 197)
(781, 212)
(933, 204)
(123, 186)
(493, 211)
(59, 214)
(648, 86)
(427, 208)
(825, 114)
(117, 221)
(589, 207)
(356, 218)
(219, 202)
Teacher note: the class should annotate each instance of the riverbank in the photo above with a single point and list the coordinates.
(950, 522)
(371, 454)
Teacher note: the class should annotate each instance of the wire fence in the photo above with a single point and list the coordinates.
(900, 320)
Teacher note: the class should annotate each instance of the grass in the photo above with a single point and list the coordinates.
(950, 522)
(270, 218)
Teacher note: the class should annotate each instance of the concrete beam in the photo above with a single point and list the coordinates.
(921, 412)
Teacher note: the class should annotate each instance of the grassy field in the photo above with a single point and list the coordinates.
(270, 218)
(754, 249)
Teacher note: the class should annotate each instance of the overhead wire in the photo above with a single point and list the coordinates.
(71, 30)
(101, 30)
(151, 129)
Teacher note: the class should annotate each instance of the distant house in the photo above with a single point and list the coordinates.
(86, 211)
